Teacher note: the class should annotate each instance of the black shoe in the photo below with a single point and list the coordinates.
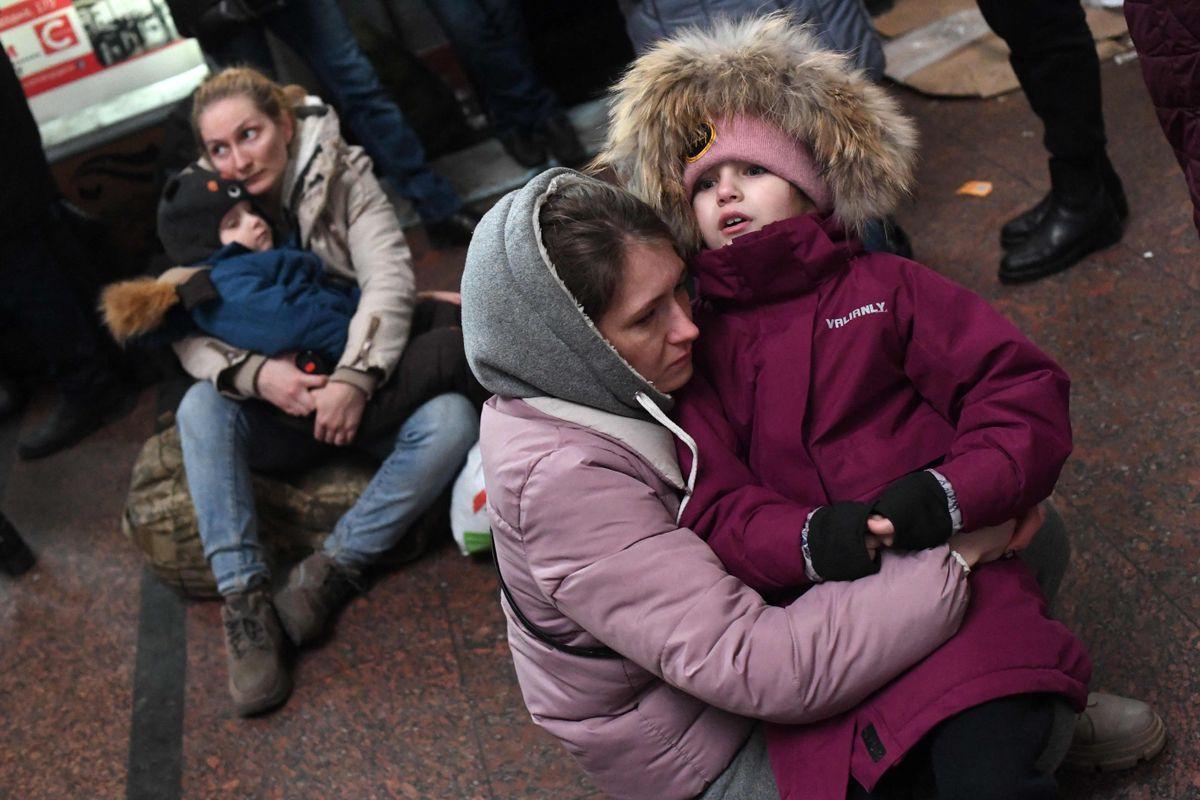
(75, 419)
(1064, 236)
(15, 556)
(563, 141)
(12, 399)
(1018, 229)
(453, 231)
(524, 148)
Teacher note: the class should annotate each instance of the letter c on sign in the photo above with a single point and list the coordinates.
(56, 34)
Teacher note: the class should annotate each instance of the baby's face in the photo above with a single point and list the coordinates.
(240, 224)
(736, 197)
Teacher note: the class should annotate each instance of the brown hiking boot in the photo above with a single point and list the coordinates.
(1115, 733)
(316, 587)
(258, 679)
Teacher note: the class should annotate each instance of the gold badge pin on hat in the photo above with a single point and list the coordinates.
(701, 141)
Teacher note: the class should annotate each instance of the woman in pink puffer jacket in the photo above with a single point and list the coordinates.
(632, 643)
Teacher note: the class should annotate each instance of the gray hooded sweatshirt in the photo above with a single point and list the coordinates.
(525, 334)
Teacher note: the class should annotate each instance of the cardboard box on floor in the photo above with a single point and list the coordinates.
(978, 68)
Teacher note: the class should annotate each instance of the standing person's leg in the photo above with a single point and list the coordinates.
(242, 45)
(218, 438)
(418, 464)
(489, 37)
(38, 294)
(318, 32)
(1054, 57)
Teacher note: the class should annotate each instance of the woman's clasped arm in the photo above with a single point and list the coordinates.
(657, 594)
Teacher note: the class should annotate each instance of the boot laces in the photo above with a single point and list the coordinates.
(244, 633)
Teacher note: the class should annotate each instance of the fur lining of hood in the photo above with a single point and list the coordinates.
(769, 67)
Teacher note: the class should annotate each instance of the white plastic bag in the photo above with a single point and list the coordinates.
(468, 508)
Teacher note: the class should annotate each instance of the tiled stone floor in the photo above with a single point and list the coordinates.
(414, 695)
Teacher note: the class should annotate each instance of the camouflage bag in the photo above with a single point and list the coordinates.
(293, 517)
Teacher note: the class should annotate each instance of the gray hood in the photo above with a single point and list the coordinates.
(524, 333)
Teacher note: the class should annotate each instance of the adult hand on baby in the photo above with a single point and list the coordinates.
(339, 410)
(284, 386)
(983, 545)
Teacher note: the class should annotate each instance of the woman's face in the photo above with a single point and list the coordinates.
(245, 144)
(649, 321)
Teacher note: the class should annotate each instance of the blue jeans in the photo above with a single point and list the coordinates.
(489, 39)
(318, 32)
(223, 439)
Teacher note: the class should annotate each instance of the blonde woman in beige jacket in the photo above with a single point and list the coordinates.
(287, 151)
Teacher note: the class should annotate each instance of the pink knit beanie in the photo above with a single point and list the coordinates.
(757, 141)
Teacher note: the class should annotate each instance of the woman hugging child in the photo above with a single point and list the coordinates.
(845, 403)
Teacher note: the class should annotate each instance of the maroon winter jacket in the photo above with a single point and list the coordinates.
(824, 374)
(1167, 37)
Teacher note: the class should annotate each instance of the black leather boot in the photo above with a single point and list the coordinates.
(74, 419)
(1065, 234)
(1018, 229)
(563, 141)
(12, 399)
(15, 556)
(526, 149)
(454, 231)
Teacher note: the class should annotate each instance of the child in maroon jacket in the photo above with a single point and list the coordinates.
(846, 402)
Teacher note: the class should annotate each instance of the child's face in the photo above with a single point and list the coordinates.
(736, 197)
(240, 224)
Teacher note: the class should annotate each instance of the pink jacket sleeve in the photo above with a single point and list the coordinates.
(755, 531)
(1008, 401)
(606, 552)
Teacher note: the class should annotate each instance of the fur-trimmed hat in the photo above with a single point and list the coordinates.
(190, 211)
(767, 67)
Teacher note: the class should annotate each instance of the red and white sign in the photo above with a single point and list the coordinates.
(45, 41)
(55, 34)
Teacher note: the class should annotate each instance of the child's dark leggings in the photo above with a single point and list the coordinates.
(985, 753)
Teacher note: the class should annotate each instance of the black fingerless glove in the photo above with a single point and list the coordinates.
(919, 509)
(837, 542)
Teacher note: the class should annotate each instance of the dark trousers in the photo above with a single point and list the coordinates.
(988, 752)
(1054, 56)
(38, 297)
(489, 38)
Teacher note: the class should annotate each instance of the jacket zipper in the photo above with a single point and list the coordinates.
(228, 353)
(365, 350)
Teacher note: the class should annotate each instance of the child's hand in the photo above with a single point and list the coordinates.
(918, 509)
(983, 545)
(339, 410)
(284, 386)
(839, 544)
(880, 534)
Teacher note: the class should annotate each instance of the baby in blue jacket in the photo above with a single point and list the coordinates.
(238, 287)
(242, 289)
